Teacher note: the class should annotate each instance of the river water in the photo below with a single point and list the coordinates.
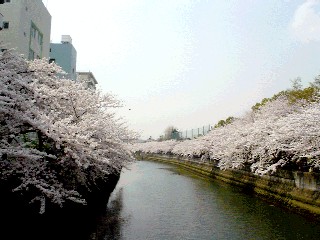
(158, 201)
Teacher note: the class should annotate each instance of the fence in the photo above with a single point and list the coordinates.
(194, 133)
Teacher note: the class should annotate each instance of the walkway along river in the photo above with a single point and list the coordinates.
(159, 201)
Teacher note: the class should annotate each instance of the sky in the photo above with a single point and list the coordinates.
(190, 63)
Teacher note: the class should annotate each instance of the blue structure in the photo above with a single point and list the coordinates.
(65, 55)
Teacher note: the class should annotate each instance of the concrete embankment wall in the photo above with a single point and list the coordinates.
(300, 192)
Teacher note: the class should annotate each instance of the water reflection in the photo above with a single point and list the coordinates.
(157, 201)
(108, 224)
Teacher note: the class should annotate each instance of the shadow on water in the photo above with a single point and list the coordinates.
(108, 224)
(104, 224)
(157, 201)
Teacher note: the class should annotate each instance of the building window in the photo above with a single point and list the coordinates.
(31, 54)
(4, 1)
(5, 25)
(39, 38)
(36, 40)
(33, 32)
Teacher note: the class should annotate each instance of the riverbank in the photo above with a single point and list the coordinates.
(298, 191)
(21, 220)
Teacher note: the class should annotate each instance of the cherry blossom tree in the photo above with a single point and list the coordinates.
(58, 140)
(278, 134)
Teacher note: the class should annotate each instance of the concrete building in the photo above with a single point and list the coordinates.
(88, 79)
(1, 21)
(26, 27)
(65, 55)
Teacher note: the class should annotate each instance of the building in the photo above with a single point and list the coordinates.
(88, 79)
(26, 27)
(1, 21)
(65, 55)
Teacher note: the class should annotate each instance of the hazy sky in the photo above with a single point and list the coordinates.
(190, 63)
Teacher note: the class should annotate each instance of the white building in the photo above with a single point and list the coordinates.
(26, 27)
(87, 78)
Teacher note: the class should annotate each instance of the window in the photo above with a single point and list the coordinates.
(33, 32)
(4, 1)
(5, 25)
(40, 38)
(31, 54)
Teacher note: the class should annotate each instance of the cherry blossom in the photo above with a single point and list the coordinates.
(57, 137)
(279, 135)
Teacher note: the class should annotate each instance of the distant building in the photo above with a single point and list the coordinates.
(26, 26)
(65, 55)
(88, 79)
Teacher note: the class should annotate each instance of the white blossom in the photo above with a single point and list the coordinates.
(279, 135)
(52, 129)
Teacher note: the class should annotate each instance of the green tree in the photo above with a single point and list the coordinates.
(295, 93)
(223, 123)
(296, 84)
(171, 132)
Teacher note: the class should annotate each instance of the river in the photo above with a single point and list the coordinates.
(158, 201)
